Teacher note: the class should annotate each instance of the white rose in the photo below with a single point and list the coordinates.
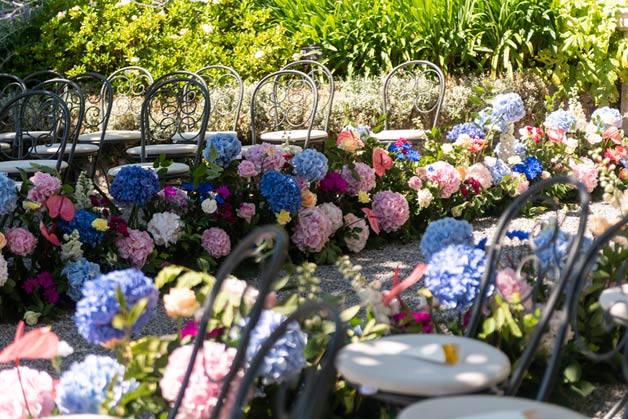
(31, 317)
(424, 198)
(209, 206)
(447, 148)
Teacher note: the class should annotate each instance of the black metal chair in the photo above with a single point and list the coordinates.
(33, 79)
(10, 85)
(226, 90)
(414, 89)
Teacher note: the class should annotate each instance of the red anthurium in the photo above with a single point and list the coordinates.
(372, 219)
(39, 343)
(60, 206)
(408, 281)
(381, 161)
(51, 237)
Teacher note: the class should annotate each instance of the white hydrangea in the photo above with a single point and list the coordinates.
(166, 228)
(334, 214)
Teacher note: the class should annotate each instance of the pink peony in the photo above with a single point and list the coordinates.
(391, 210)
(246, 211)
(211, 366)
(513, 289)
(415, 183)
(46, 185)
(446, 176)
(357, 233)
(247, 168)
(216, 242)
(480, 173)
(334, 214)
(136, 247)
(312, 230)
(265, 157)
(586, 172)
(20, 241)
(38, 387)
(365, 181)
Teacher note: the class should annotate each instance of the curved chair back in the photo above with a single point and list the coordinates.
(283, 101)
(33, 79)
(324, 83)
(129, 86)
(10, 85)
(226, 90)
(414, 88)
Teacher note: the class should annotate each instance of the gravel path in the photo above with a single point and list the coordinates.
(377, 264)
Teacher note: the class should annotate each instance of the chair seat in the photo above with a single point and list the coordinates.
(154, 150)
(395, 134)
(285, 148)
(13, 166)
(10, 136)
(79, 149)
(391, 364)
(486, 407)
(111, 136)
(191, 136)
(175, 169)
(293, 135)
(5, 146)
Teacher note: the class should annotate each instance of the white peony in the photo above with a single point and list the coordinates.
(166, 228)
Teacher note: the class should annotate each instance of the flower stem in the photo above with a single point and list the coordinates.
(19, 378)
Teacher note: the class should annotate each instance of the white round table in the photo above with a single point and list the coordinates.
(486, 407)
(615, 302)
(391, 365)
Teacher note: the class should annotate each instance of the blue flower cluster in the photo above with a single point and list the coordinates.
(551, 246)
(84, 387)
(8, 194)
(287, 356)
(222, 148)
(82, 222)
(520, 149)
(404, 151)
(79, 272)
(134, 185)
(606, 117)
(562, 119)
(99, 305)
(499, 170)
(310, 165)
(489, 120)
(624, 162)
(444, 232)
(468, 128)
(531, 167)
(453, 275)
(510, 106)
(281, 191)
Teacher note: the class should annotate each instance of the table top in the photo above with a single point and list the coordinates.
(391, 364)
(615, 302)
(486, 407)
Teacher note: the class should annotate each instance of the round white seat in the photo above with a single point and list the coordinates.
(153, 150)
(293, 135)
(392, 135)
(486, 407)
(13, 166)
(191, 136)
(285, 148)
(391, 364)
(615, 302)
(113, 136)
(175, 169)
(79, 149)
(10, 136)
(5, 146)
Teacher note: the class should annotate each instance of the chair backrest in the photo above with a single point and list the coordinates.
(546, 261)
(283, 101)
(226, 90)
(129, 86)
(10, 85)
(175, 106)
(33, 79)
(413, 89)
(324, 82)
(35, 110)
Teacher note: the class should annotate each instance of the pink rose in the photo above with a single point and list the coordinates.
(415, 183)
(216, 242)
(246, 211)
(247, 168)
(513, 289)
(136, 247)
(556, 135)
(20, 241)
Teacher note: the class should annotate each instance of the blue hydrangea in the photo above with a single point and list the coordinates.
(520, 149)
(99, 305)
(510, 105)
(84, 386)
(8, 194)
(468, 128)
(518, 234)
(624, 162)
(224, 146)
(562, 119)
(82, 222)
(489, 120)
(310, 165)
(606, 117)
(531, 167)
(403, 151)
(444, 232)
(287, 356)
(498, 171)
(134, 185)
(453, 275)
(551, 246)
(79, 272)
(281, 191)
(364, 131)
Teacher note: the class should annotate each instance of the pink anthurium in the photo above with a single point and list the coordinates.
(381, 161)
(50, 236)
(59, 205)
(39, 343)
(372, 219)
(398, 288)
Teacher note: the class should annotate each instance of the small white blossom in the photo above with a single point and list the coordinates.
(209, 206)
(64, 349)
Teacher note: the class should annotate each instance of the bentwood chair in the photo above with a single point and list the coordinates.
(546, 261)
(10, 85)
(283, 108)
(412, 91)
(226, 91)
(33, 79)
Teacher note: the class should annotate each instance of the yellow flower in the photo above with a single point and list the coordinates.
(3, 241)
(31, 205)
(100, 224)
(283, 217)
(363, 197)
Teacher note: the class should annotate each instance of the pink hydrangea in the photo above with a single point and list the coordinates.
(246, 211)
(246, 168)
(211, 366)
(265, 157)
(38, 388)
(46, 185)
(334, 214)
(366, 180)
(415, 183)
(586, 172)
(480, 173)
(512, 288)
(312, 230)
(391, 210)
(216, 242)
(357, 233)
(174, 196)
(446, 176)
(20, 241)
(136, 247)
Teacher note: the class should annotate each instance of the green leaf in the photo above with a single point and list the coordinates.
(350, 313)
(168, 275)
(573, 372)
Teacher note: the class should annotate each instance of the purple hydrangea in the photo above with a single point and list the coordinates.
(99, 305)
(489, 120)
(79, 272)
(468, 128)
(222, 148)
(310, 165)
(509, 105)
(562, 119)
(444, 232)
(498, 171)
(281, 191)
(134, 185)
(606, 117)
